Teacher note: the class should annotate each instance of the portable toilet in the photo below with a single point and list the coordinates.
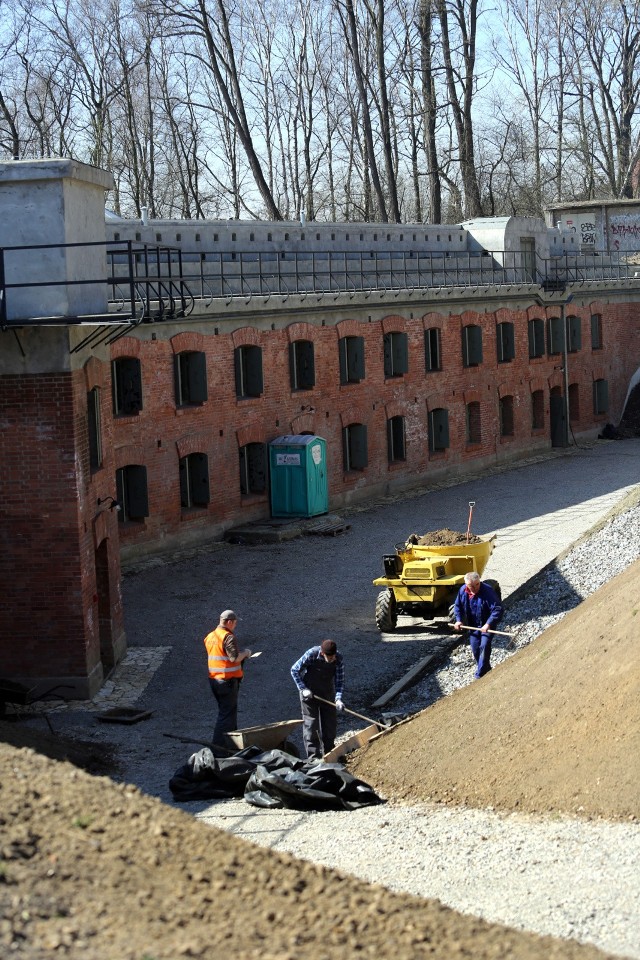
(298, 476)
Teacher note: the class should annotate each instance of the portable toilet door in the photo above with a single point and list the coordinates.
(298, 476)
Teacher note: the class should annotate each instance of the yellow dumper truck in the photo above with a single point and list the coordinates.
(422, 577)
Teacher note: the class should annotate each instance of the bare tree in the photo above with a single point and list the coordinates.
(430, 107)
(9, 132)
(193, 18)
(458, 27)
(606, 39)
(347, 15)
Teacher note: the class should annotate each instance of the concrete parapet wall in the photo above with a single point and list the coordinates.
(53, 202)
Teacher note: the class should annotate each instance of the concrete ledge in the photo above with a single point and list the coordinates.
(55, 169)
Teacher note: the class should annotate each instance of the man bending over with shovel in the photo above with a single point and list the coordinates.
(478, 605)
(319, 671)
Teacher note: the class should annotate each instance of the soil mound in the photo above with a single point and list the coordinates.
(443, 538)
(555, 728)
(90, 870)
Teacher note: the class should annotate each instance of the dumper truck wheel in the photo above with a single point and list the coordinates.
(495, 586)
(386, 613)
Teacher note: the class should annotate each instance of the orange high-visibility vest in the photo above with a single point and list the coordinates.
(220, 666)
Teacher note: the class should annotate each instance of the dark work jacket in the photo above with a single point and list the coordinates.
(313, 671)
(485, 607)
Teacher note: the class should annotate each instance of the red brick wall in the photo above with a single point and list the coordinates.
(48, 623)
(160, 433)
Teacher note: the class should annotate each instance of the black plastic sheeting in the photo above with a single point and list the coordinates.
(271, 779)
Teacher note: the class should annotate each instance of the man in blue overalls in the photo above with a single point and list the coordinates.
(319, 671)
(478, 605)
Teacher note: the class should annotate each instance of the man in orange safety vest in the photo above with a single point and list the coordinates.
(225, 673)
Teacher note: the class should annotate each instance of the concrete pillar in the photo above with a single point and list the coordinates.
(53, 202)
(61, 620)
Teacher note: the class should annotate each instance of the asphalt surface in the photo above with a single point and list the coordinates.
(293, 594)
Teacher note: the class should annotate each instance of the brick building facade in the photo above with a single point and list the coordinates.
(155, 436)
(494, 406)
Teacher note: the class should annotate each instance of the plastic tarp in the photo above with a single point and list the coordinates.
(271, 779)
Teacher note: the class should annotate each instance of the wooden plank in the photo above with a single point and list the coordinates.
(352, 743)
(410, 677)
(329, 529)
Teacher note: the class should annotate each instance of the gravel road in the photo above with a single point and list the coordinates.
(557, 876)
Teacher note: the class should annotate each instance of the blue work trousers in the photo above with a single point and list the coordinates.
(481, 650)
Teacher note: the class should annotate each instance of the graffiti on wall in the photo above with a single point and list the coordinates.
(585, 227)
(624, 231)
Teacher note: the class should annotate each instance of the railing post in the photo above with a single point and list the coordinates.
(132, 283)
(3, 293)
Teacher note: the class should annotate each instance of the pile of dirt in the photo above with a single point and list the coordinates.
(92, 870)
(443, 538)
(555, 728)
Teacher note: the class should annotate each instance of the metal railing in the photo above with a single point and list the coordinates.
(243, 275)
(148, 282)
(126, 283)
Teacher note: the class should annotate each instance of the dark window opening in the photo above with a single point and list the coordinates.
(95, 428)
(131, 493)
(505, 342)
(396, 355)
(574, 334)
(302, 365)
(253, 469)
(351, 359)
(556, 336)
(596, 331)
(194, 480)
(248, 367)
(432, 354)
(354, 447)
(126, 377)
(190, 374)
(396, 439)
(536, 338)
(472, 345)
(438, 429)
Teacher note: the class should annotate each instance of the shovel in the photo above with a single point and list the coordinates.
(503, 633)
(378, 723)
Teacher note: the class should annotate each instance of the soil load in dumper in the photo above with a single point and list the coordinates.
(426, 572)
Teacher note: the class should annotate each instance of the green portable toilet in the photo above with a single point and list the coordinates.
(298, 476)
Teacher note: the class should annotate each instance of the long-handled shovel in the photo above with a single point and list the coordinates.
(472, 504)
(378, 723)
(502, 633)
